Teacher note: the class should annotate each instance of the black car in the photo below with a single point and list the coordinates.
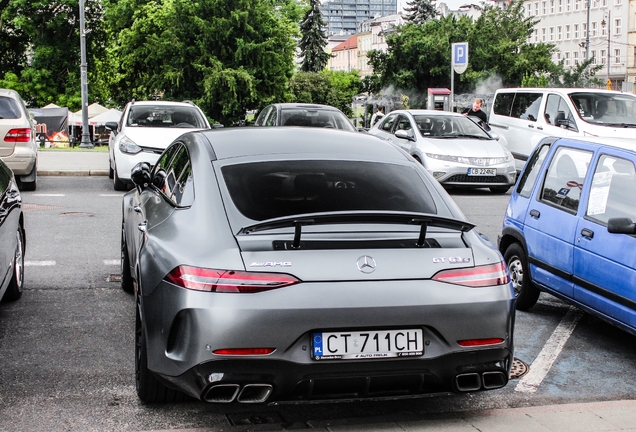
(12, 239)
(307, 115)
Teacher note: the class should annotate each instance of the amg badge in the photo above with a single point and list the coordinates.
(271, 264)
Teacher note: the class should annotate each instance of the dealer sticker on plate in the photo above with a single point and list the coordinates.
(367, 344)
(482, 171)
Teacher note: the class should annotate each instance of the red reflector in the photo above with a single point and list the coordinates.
(244, 351)
(18, 135)
(227, 281)
(482, 276)
(480, 342)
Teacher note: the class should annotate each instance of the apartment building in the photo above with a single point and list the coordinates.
(344, 16)
(604, 35)
(345, 56)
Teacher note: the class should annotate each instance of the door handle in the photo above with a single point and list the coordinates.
(535, 214)
(531, 126)
(540, 127)
(587, 233)
(143, 226)
(136, 208)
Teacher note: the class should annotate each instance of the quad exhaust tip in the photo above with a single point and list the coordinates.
(227, 393)
(474, 381)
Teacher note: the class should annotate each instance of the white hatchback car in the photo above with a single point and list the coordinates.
(18, 148)
(144, 131)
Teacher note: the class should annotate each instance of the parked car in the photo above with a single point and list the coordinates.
(18, 148)
(281, 265)
(308, 115)
(12, 238)
(569, 228)
(143, 133)
(452, 147)
(524, 116)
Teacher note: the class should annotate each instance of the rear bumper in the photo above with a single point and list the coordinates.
(276, 381)
(22, 160)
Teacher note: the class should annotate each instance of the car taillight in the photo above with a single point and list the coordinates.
(18, 135)
(479, 342)
(227, 281)
(244, 351)
(481, 276)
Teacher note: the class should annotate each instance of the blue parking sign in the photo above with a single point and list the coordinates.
(460, 57)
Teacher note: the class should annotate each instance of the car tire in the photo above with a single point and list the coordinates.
(126, 277)
(30, 185)
(149, 389)
(526, 293)
(14, 290)
(118, 184)
(500, 189)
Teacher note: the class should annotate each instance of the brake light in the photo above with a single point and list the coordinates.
(228, 281)
(481, 276)
(479, 342)
(18, 135)
(244, 351)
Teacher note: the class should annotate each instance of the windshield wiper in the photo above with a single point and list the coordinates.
(474, 136)
(359, 217)
(623, 125)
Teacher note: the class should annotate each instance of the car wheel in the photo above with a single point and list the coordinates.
(500, 189)
(149, 389)
(30, 185)
(126, 277)
(118, 184)
(14, 290)
(525, 291)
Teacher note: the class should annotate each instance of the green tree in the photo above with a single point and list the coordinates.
(313, 40)
(228, 56)
(335, 88)
(419, 56)
(420, 11)
(42, 39)
(582, 75)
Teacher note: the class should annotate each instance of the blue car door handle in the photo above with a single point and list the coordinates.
(587, 233)
(535, 214)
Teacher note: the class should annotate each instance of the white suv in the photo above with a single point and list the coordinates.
(144, 131)
(18, 148)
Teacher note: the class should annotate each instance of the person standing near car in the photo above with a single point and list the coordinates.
(476, 111)
(377, 116)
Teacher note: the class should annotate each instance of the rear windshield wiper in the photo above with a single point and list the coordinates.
(365, 217)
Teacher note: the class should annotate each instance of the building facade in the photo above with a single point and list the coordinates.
(344, 16)
(604, 36)
(345, 56)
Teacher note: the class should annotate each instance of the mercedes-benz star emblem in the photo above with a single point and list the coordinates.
(366, 264)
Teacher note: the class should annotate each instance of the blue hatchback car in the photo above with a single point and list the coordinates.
(569, 228)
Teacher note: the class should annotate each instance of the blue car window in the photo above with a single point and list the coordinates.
(524, 188)
(565, 177)
(612, 190)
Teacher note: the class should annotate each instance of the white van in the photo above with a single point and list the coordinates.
(524, 116)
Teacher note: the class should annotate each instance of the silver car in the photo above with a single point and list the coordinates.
(275, 265)
(12, 236)
(452, 147)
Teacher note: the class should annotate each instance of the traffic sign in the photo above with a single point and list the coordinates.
(460, 57)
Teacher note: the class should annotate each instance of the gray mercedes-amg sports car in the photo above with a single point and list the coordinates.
(274, 265)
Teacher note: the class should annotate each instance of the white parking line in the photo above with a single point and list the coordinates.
(112, 262)
(112, 195)
(39, 263)
(48, 195)
(542, 364)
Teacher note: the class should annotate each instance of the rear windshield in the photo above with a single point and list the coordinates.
(165, 116)
(9, 108)
(316, 118)
(267, 190)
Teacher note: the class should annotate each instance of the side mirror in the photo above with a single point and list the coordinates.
(495, 136)
(404, 135)
(111, 126)
(621, 225)
(140, 175)
(159, 179)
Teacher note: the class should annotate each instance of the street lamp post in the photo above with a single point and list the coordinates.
(86, 137)
(587, 33)
(603, 23)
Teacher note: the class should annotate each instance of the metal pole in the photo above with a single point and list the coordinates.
(452, 95)
(587, 33)
(86, 137)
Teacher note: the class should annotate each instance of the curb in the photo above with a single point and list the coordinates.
(73, 173)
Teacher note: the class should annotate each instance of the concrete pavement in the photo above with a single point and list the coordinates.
(593, 416)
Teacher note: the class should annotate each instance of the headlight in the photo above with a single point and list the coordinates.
(126, 145)
(449, 158)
